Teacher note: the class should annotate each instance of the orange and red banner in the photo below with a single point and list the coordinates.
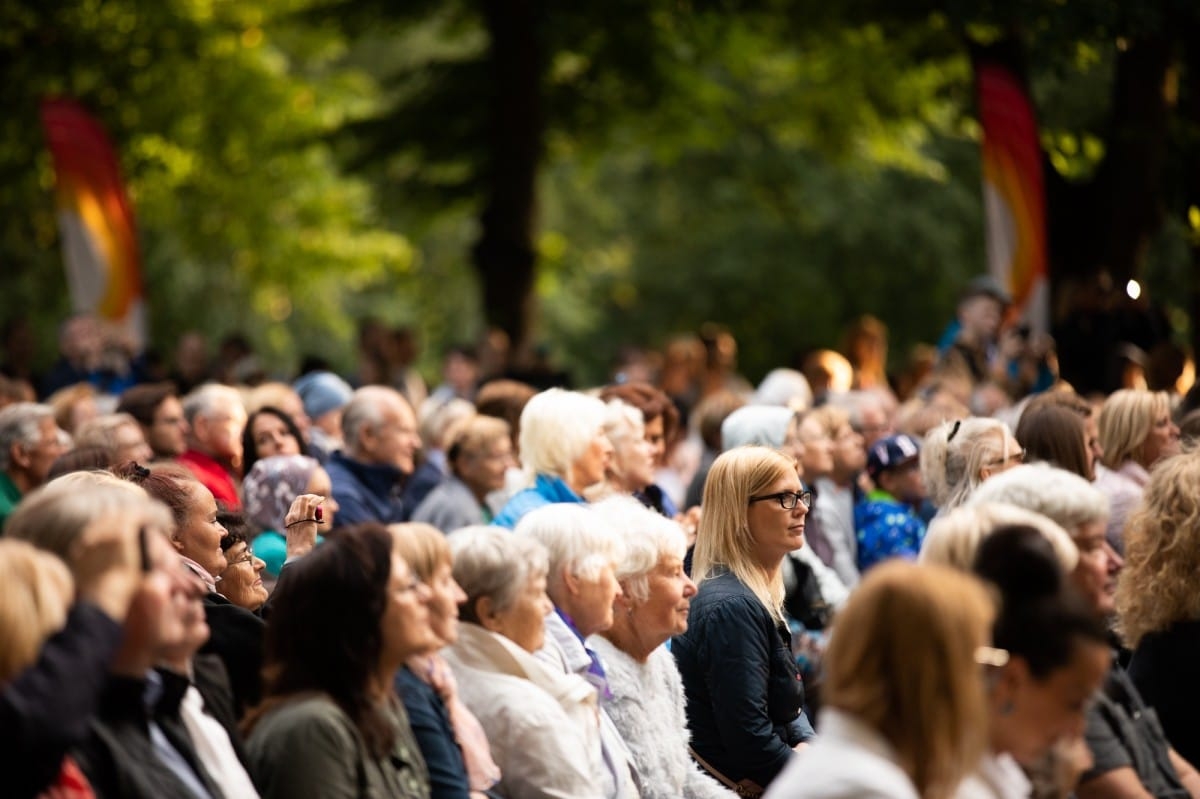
(95, 219)
(1013, 188)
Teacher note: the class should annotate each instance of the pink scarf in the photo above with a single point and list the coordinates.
(482, 771)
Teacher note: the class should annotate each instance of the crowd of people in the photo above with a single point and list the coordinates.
(973, 584)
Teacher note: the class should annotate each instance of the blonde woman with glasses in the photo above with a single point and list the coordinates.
(743, 688)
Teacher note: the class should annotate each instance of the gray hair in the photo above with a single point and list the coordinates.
(492, 562)
(20, 423)
(55, 515)
(366, 410)
(1063, 496)
(954, 538)
(576, 538)
(209, 400)
(439, 421)
(649, 537)
(102, 430)
(954, 453)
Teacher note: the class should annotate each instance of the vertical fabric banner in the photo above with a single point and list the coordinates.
(95, 220)
(1013, 190)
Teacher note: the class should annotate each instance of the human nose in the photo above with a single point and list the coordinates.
(259, 565)
(1115, 561)
(689, 587)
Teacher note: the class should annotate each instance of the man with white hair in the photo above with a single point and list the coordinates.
(216, 418)
(368, 477)
(30, 442)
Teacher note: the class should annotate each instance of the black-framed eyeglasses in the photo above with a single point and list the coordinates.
(788, 499)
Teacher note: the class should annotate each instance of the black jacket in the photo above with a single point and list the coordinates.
(44, 712)
(236, 637)
(743, 688)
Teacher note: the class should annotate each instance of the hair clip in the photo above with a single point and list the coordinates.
(140, 471)
(954, 430)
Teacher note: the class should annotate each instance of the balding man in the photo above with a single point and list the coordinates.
(30, 442)
(368, 478)
(215, 417)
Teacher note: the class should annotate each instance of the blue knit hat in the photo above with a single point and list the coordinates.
(322, 392)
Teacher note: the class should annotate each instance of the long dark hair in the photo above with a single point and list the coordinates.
(324, 633)
(250, 449)
(1042, 617)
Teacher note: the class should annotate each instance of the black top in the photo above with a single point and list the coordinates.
(743, 688)
(1163, 668)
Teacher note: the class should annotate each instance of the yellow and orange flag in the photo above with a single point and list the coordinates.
(95, 219)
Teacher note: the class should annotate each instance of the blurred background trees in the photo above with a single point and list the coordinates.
(595, 175)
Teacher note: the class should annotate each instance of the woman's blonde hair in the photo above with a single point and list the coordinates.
(1126, 418)
(724, 539)
(1162, 552)
(954, 538)
(954, 454)
(422, 546)
(904, 665)
(35, 593)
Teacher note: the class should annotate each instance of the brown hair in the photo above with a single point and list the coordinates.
(652, 402)
(1055, 433)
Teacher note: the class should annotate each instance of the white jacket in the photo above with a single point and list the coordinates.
(542, 726)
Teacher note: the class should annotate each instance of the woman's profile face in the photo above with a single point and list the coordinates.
(406, 624)
(199, 538)
(776, 530)
(665, 611)
(632, 460)
(241, 582)
(524, 621)
(443, 608)
(1162, 441)
(1039, 713)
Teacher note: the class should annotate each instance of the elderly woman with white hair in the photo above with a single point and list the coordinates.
(632, 465)
(584, 554)
(958, 456)
(541, 723)
(1122, 732)
(646, 693)
(563, 449)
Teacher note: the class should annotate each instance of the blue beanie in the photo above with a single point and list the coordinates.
(322, 392)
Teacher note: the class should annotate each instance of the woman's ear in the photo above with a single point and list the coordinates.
(485, 611)
(570, 581)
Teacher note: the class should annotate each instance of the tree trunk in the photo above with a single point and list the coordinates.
(504, 256)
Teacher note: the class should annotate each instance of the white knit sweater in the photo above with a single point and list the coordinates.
(647, 707)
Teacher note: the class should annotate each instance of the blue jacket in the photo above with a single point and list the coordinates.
(887, 528)
(431, 726)
(365, 492)
(743, 688)
(546, 491)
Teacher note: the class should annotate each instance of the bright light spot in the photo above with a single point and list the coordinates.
(1133, 289)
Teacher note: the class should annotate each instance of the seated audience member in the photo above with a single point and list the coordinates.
(708, 419)
(451, 739)
(744, 694)
(157, 409)
(1157, 612)
(345, 618)
(236, 634)
(506, 399)
(1136, 432)
(284, 399)
(535, 718)
(242, 580)
(73, 405)
(1123, 733)
(1057, 433)
(436, 424)
(584, 553)
(381, 441)
(118, 432)
(886, 519)
(270, 488)
(479, 457)
(957, 457)
(30, 442)
(563, 451)
(632, 465)
(81, 459)
(660, 426)
(269, 431)
(837, 492)
(159, 728)
(325, 396)
(645, 701)
(905, 705)
(216, 420)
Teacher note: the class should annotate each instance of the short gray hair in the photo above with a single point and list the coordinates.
(55, 515)
(20, 423)
(492, 562)
(208, 399)
(365, 410)
(102, 430)
(576, 538)
(1055, 493)
(954, 538)
(648, 536)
